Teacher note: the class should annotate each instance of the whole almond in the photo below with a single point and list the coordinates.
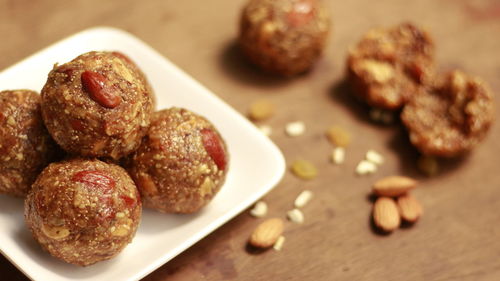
(266, 233)
(385, 214)
(409, 208)
(394, 186)
(94, 84)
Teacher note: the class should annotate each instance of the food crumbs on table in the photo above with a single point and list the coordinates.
(375, 114)
(279, 243)
(381, 116)
(304, 169)
(296, 216)
(261, 110)
(259, 210)
(266, 130)
(387, 117)
(338, 136)
(338, 155)
(295, 129)
(428, 165)
(303, 198)
(365, 167)
(374, 157)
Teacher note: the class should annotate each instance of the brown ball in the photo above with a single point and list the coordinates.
(97, 105)
(450, 118)
(284, 37)
(25, 145)
(389, 65)
(83, 211)
(181, 164)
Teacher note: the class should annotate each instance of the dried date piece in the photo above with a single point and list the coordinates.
(388, 66)
(83, 211)
(25, 145)
(284, 37)
(451, 118)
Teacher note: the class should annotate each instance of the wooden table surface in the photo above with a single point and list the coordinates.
(458, 236)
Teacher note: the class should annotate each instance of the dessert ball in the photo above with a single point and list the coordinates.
(181, 164)
(25, 145)
(450, 118)
(126, 59)
(97, 105)
(388, 66)
(83, 211)
(284, 37)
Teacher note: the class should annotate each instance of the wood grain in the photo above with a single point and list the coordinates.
(456, 239)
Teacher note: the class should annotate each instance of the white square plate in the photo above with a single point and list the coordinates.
(256, 166)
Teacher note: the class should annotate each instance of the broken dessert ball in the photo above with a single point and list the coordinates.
(97, 105)
(83, 211)
(450, 118)
(389, 65)
(284, 37)
(181, 164)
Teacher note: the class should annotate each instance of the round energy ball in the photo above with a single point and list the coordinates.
(181, 164)
(83, 211)
(284, 37)
(25, 145)
(97, 105)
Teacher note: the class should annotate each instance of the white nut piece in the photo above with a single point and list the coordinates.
(303, 198)
(55, 232)
(259, 210)
(266, 130)
(278, 245)
(121, 230)
(338, 155)
(374, 157)
(295, 215)
(295, 129)
(381, 72)
(366, 167)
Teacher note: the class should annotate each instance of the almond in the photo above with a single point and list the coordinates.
(267, 233)
(394, 186)
(95, 84)
(409, 208)
(385, 214)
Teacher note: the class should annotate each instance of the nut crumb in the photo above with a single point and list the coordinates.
(279, 243)
(303, 198)
(338, 155)
(11, 121)
(261, 110)
(266, 130)
(304, 169)
(296, 216)
(381, 116)
(428, 165)
(374, 157)
(259, 210)
(365, 167)
(295, 129)
(338, 136)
